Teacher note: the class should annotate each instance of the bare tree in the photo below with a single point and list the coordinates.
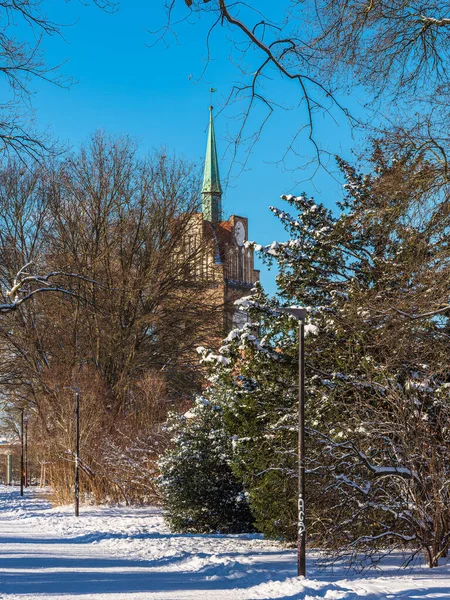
(26, 285)
(264, 47)
(397, 51)
(399, 47)
(138, 306)
(22, 61)
(391, 471)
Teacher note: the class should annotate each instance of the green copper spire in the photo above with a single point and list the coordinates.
(211, 190)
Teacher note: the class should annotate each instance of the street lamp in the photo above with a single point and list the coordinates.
(26, 451)
(77, 452)
(22, 469)
(300, 314)
(77, 449)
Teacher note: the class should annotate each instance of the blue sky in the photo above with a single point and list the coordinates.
(127, 85)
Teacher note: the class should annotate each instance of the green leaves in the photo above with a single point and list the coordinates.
(200, 492)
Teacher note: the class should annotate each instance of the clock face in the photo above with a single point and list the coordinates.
(239, 233)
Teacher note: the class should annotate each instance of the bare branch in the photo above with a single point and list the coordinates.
(20, 291)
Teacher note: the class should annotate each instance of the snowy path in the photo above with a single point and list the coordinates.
(128, 554)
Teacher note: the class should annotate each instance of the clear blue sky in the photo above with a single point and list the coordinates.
(126, 86)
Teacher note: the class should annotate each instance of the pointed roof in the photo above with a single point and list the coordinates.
(211, 178)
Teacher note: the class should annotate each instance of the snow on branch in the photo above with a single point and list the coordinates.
(426, 315)
(433, 22)
(384, 535)
(376, 470)
(25, 286)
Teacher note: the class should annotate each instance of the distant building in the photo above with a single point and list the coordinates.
(229, 265)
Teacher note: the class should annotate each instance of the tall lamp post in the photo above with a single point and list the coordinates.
(26, 451)
(300, 314)
(76, 390)
(77, 451)
(22, 468)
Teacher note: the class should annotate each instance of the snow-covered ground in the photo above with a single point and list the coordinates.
(124, 553)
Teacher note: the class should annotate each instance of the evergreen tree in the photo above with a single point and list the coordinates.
(375, 282)
(201, 493)
(256, 386)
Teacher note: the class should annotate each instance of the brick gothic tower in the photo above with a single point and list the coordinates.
(229, 265)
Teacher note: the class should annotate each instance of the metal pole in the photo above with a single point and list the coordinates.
(300, 314)
(301, 543)
(22, 470)
(9, 476)
(77, 454)
(26, 452)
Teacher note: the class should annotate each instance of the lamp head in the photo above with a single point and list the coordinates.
(295, 311)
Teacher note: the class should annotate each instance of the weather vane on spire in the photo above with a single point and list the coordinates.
(211, 92)
(211, 189)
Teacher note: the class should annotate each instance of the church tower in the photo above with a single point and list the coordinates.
(230, 262)
(211, 190)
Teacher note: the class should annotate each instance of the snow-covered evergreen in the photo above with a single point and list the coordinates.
(374, 282)
(200, 492)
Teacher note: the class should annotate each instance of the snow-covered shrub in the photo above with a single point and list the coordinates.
(200, 492)
(256, 388)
